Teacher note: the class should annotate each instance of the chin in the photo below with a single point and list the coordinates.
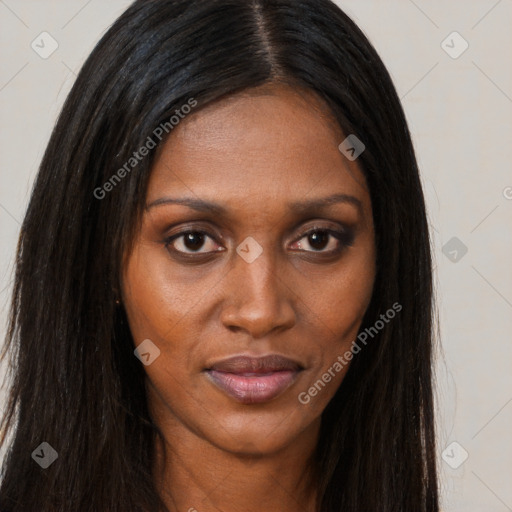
(257, 434)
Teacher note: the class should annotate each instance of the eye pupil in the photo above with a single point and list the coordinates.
(193, 240)
(318, 239)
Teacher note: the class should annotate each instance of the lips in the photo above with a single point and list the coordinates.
(251, 380)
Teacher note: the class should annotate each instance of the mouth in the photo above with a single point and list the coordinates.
(251, 380)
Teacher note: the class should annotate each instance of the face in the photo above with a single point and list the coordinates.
(251, 272)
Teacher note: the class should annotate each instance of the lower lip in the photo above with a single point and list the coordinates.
(253, 389)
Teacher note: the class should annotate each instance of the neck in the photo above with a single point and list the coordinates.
(194, 475)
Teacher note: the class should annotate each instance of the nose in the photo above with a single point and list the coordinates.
(258, 300)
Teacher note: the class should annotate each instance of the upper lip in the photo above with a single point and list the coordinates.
(264, 364)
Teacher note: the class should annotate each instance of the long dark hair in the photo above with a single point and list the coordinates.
(75, 381)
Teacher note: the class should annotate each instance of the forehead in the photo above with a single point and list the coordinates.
(265, 144)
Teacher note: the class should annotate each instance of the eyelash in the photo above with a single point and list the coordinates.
(344, 237)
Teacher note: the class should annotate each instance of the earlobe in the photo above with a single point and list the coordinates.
(117, 297)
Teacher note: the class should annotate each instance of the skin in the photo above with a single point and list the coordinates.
(251, 153)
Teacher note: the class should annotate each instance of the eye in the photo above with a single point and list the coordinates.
(325, 241)
(318, 240)
(191, 242)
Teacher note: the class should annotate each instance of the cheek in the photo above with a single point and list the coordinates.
(338, 300)
(156, 300)
(162, 313)
(335, 306)
(336, 313)
(342, 301)
(158, 312)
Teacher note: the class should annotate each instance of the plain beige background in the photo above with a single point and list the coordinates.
(459, 107)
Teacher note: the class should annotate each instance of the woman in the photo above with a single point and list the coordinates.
(223, 294)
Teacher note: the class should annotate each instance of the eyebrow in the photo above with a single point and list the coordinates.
(303, 207)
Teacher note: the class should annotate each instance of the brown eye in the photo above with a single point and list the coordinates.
(318, 240)
(191, 242)
(321, 239)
